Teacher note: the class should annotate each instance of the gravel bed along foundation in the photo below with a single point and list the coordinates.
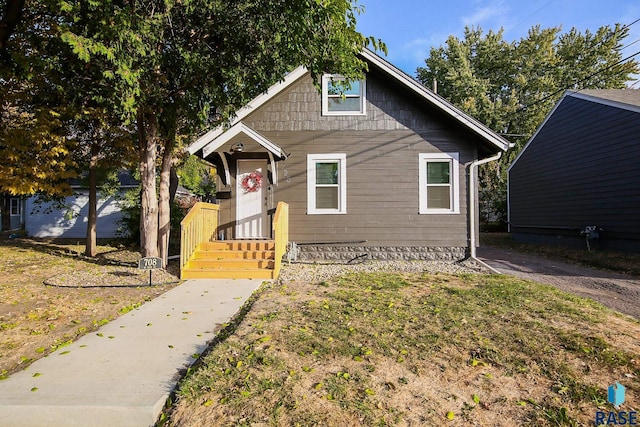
(317, 272)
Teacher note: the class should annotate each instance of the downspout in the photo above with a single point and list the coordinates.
(473, 200)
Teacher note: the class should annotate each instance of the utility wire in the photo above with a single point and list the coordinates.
(532, 14)
(579, 81)
(525, 107)
(551, 95)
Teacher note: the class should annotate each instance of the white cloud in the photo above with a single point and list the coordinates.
(413, 53)
(486, 14)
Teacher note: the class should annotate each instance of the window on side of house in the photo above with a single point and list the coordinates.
(15, 207)
(439, 183)
(327, 183)
(342, 98)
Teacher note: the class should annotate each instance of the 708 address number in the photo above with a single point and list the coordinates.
(150, 263)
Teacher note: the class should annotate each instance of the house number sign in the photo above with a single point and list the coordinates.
(150, 263)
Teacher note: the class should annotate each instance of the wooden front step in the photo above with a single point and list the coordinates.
(222, 255)
(228, 274)
(239, 245)
(232, 259)
(230, 264)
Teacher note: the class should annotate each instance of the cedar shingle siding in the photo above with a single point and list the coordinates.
(581, 168)
(382, 167)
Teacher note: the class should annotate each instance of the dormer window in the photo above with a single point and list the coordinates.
(341, 97)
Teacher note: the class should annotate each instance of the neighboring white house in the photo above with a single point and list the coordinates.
(16, 212)
(47, 221)
(43, 221)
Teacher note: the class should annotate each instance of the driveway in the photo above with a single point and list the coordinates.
(616, 291)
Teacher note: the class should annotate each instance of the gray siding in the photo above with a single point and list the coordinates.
(382, 192)
(382, 166)
(582, 168)
(43, 222)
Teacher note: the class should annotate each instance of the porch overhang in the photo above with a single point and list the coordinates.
(242, 129)
(218, 141)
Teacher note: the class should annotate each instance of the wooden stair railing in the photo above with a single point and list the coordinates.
(280, 234)
(198, 226)
(204, 257)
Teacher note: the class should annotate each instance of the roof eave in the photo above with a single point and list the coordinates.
(500, 143)
(605, 101)
(258, 101)
(495, 141)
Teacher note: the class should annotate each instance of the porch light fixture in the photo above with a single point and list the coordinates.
(237, 147)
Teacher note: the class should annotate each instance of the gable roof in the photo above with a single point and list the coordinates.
(626, 99)
(237, 129)
(497, 142)
(257, 102)
(438, 101)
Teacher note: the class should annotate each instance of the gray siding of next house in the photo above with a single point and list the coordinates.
(382, 166)
(581, 169)
(16, 221)
(58, 224)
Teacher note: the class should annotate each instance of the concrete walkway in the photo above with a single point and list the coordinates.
(122, 375)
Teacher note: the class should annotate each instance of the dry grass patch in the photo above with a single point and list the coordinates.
(412, 350)
(36, 319)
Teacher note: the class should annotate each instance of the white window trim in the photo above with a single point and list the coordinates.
(18, 203)
(312, 159)
(326, 78)
(454, 158)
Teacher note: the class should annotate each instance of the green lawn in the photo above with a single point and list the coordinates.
(411, 350)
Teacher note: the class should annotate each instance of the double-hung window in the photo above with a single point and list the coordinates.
(327, 183)
(439, 186)
(341, 97)
(15, 207)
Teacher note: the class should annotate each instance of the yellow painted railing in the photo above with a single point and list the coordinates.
(280, 234)
(200, 225)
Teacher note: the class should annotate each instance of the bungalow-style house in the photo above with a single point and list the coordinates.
(69, 220)
(384, 169)
(581, 169)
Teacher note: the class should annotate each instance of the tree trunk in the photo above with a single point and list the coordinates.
(164, 205)
(6, 212)
(10, 18)
(90, 248)
(147, 139)
(173, 184)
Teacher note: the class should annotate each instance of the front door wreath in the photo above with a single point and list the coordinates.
(252, 182)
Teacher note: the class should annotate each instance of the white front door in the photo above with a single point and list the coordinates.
(251, 199)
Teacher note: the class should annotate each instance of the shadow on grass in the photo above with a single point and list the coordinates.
(619, 262)
(73, 249)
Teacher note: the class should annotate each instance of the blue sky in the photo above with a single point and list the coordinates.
(411, 27)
